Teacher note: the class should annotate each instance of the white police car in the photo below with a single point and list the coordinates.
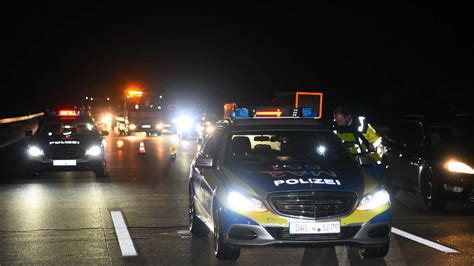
(66, 140)
(264, 179)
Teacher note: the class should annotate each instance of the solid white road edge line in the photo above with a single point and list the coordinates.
(123, 236)
(423, 241)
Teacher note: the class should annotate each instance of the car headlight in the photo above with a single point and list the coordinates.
(239, 202)
(459, 167)
(94, 151)
(159, 126)
(132, 126)
(34, 151)
(374, 199)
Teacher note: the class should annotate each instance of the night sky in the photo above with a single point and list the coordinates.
(370, 58)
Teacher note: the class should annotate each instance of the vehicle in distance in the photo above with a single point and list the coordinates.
(140, 111)
(66, 140)
(434, 157)
(285, 181)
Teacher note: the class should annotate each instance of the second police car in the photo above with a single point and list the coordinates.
(261, 180)
(67, 140)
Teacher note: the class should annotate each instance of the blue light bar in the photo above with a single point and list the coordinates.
(308, 112)
(240, 113)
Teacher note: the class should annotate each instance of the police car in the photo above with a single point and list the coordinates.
(66, 140)
(265, 179)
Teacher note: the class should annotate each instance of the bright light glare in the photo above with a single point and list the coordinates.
(132, 126)
(119, 144)
(184, 123)
(210, 129)
(321, 150)
(94, 151)
(459, 167)
(159, 126)
(374, 200)
(35, 151)
(107, 118)
(241, 203)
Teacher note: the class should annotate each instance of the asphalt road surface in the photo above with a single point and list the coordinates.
(66, 217)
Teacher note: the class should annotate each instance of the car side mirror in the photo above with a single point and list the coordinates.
(104, 132)
(203, 162)
(366, 160)
(28, 133)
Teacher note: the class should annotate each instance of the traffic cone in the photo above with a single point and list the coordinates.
(173, 151)
(141, 148)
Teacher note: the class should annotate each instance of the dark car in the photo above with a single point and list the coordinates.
(434, 157)
(67, 142)
(282, 181)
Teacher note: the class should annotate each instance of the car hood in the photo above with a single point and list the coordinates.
(84, 141)
(259, 180)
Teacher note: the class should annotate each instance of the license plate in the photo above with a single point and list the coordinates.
(64, 162)
(146, 126)
(315, 228)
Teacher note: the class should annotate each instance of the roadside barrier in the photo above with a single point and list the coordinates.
(20, 118)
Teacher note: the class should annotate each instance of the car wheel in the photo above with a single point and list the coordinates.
(431, 194)
(158, 133)
(196, 226)
(221, 249)
(375, 252)
(101, 171)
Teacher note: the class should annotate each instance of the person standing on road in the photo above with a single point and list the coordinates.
(358, 137)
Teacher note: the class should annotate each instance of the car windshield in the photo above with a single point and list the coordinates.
(285, 147)
(458, 135)
(58, 129)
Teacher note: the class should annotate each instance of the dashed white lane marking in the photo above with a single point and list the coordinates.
(123, 236)
(424, 241)
(342, 256)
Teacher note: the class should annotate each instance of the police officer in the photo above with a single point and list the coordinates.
(358, 136)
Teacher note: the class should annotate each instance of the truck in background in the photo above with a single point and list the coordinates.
(140, 112)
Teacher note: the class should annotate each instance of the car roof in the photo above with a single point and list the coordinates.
(272, 124)
(55, 119)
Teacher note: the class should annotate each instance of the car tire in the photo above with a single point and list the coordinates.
(375, 252)
(431, 193)
(222, 250)
(196, 226)
(101, 171)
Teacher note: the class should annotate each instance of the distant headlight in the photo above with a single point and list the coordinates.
(34, 151)
(132, 126)
(94, 151)
(159, 126)
(106, 118)
(374, 199)
(184, 123)
(210, 129)
(239, 202)
(459, 167)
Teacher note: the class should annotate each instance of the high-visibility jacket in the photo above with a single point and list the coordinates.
(354, 141)
(360, 139)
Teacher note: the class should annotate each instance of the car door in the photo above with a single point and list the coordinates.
(394, 150)
(204, 180)
(412, 135)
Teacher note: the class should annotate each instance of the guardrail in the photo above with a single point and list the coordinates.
(20, 118)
